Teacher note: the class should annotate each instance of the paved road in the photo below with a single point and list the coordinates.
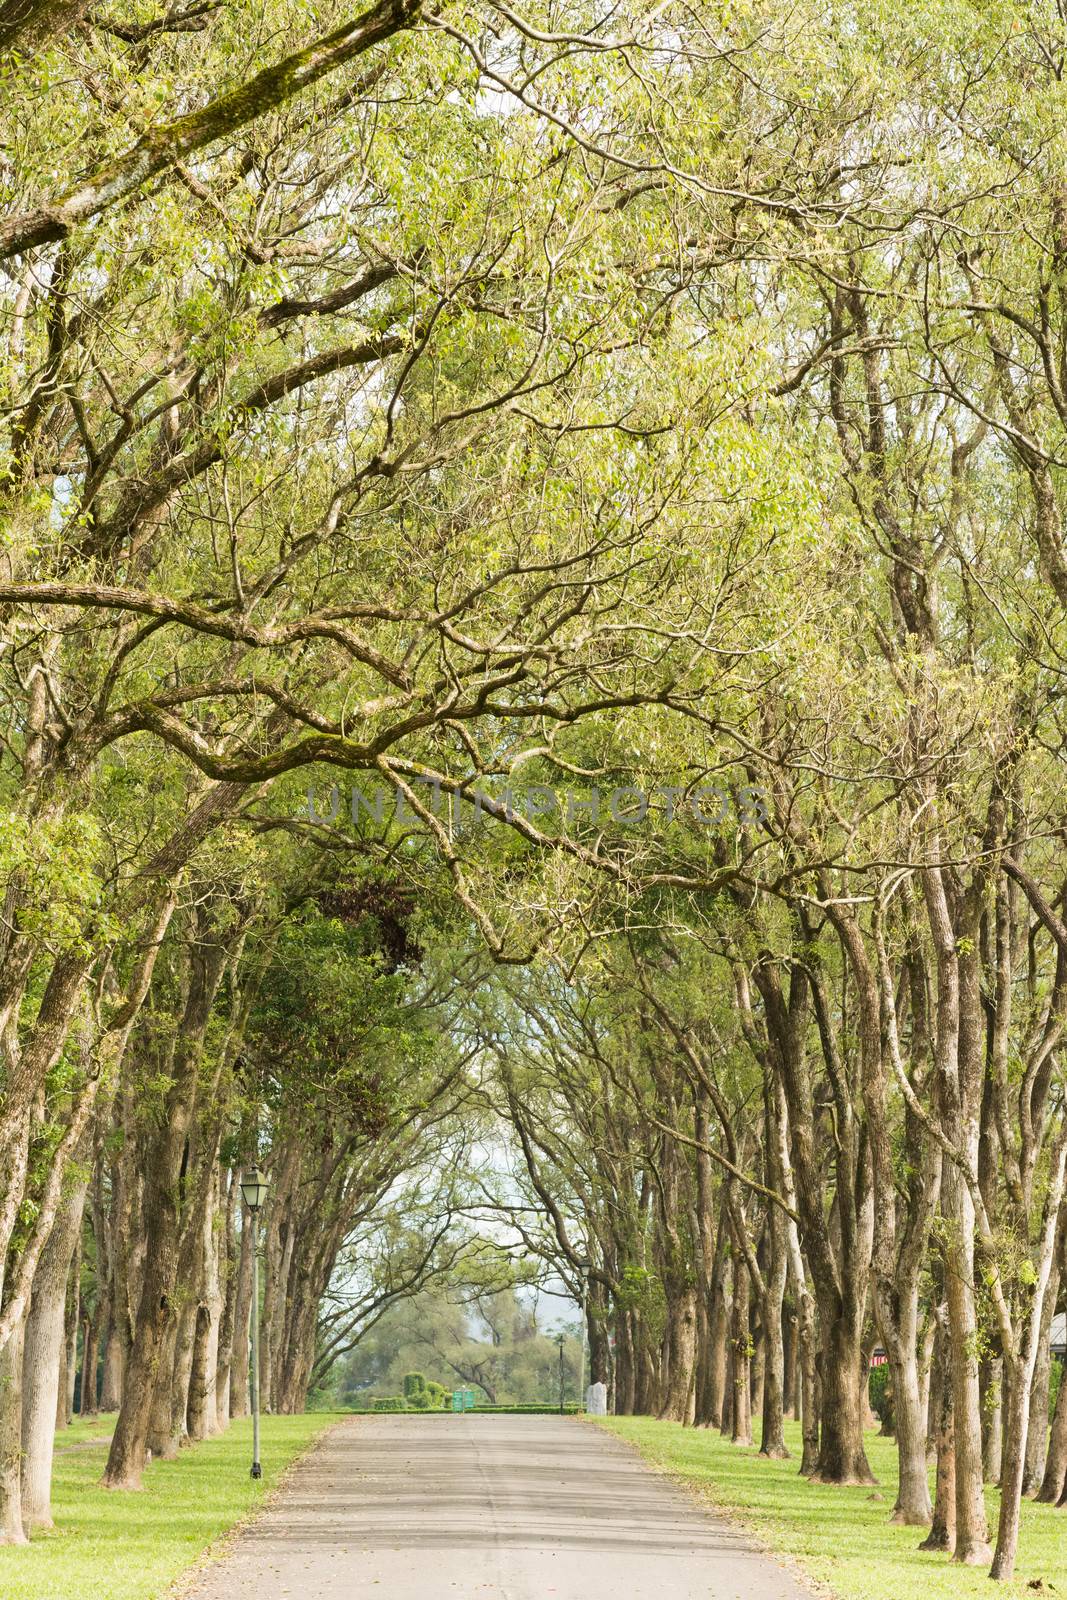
(487, 1508)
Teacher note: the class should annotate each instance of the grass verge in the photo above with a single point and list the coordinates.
(841, 1537)
(108, 1546)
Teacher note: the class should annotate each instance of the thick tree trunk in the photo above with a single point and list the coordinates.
(810, 1394)
(11, 1527)
(912, 1507)
(184, 1337)
(1055, 1480)
(942, 1535)
(146, 1371)
(842, 1457)
(772, 1437)
(113, 1377)
(681, 1357)
(202, 1421)
(163, 1438)
(43, 1365)
(718, 1327)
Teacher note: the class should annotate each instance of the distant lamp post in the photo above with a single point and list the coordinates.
(562, 1381)
(254, 1193)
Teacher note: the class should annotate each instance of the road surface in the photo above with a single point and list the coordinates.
(486, 1508)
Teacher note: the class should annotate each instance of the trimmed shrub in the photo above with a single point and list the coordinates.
(389, 1402)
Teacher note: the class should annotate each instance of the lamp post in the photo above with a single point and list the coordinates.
(562, 1382)
(254, 1192)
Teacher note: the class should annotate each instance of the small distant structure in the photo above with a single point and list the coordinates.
(596, 1400)
(879, 1358)
(1059, 1336)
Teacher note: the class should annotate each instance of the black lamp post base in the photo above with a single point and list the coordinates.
(257, 1470)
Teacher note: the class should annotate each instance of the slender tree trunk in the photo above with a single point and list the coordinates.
(228, 1263)
(87, 1402)
(791, 1367)
(1019, 1365)
(1037, 1427)
(972, 1546)
(71, 1323)
(991, 1398)
(741, 1360)
(625, 1371)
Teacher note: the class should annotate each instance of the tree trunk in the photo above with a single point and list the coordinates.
(162, 1202)
(239, 1358)
(43, 1372)
(681, 1357)
(842, 1457)
(111, 1383)
(228, 1264)
(163, 1437)
(792, 1367)
(912, 1507)
(991, 1397)
(972, 1546)
(1037, 1428)
(740, 1360)
(772, 1437)
(11, 1528)
(1020, 1363)
(716, 1360)
(87, 1401)
(1055, 1480)
(72, 1321)
(942, 1535)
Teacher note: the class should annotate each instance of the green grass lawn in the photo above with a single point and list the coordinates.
(840, 1536)
(109, 1546)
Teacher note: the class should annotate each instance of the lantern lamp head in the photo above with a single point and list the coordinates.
(254, 1188)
